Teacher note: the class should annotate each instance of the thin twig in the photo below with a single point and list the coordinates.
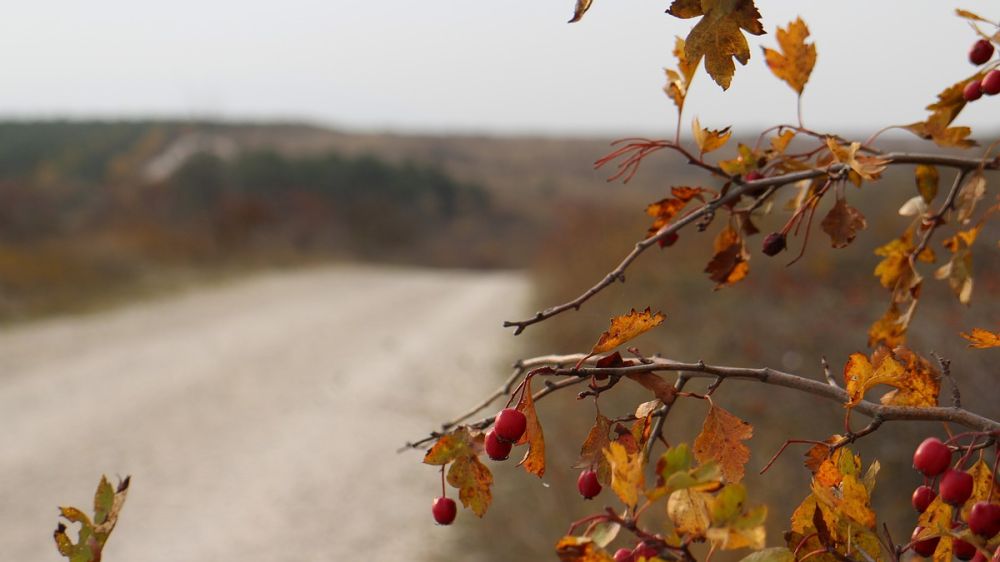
(956, 394)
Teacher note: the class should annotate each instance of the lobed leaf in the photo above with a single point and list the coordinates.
(625, 327)
(592, 450)
(730, 263)
(796, 60)
(717, 36)
(927, 179)
(449, 447)
(982, 339)
(709, 140)
(93, 534)
(473, 481)
(842, 223)
(627, 479)
(721, 440)
(580, 549)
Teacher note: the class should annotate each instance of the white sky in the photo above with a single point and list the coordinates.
(466, 65)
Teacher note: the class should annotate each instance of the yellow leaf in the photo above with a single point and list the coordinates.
(709, 139)
(449, 447)
(717, 36)
(746, 161)
(473, 481)
(984, 487)
(721, 439)
(927, 178)
(534, 459)
(627, 479)
(866, 167)
(580, 549)
(779, 143)
(896, 262)
(949, 104)
(890, 329)
(849, 499)
(689, 512)
(730, 263)
(919, 386)
(860, 375)
(971, 16)
(795, 63)
(982, 339)
(625, 327)
(581, 8)
(733, 526)
(842, 223)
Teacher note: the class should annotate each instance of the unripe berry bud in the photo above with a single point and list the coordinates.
(774, 243)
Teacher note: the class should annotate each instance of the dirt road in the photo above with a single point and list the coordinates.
(259, 421)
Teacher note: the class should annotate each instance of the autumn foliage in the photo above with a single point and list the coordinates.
(699, 486)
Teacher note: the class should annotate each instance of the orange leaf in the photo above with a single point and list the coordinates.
(625, 327)
(949, 104)
(842, 223)
(709, 139)
(850, 499)
(825, 466)
(730, 262)
(896, 262)
(890, 329)
(866, 167)
(473, 481)
(678, 81)
(627, 479)
(982, 339)
(580, 549)
(592, 450)
(721, 440)
(796, 64)
(534, 459)
(581, 8)
(717, 35)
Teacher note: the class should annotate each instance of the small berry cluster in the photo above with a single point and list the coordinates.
(933, 459)
(508, 428)
(641, 550)
(981, 53)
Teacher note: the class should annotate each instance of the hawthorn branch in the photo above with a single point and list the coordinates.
(963, 164)
(767, 375)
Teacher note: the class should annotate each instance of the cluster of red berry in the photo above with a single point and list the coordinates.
(981, 53)
(934, 458)
(508, 427)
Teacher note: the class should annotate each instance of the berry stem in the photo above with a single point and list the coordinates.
(443, 494)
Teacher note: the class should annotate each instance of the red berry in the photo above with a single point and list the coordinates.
(980, 52)
(979, 557)
(922, 497)
(932, 457)
(973, 91)
(444, 510)
(510, 425)
(496, 448)
(955, 486)
(774, 243)
(669, 240)
(925, 547)
(587, 484)
(643, 550)
(623, 555)
(963, 550)
(753, 176)
(984, 519)
(991, 83)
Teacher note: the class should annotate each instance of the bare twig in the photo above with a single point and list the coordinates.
(826, 373)
(956, 394)
(709, 208)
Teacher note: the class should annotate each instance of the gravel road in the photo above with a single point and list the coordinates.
(259, 420)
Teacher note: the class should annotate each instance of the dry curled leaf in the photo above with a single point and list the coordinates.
(721, 440)
(795, 62)
(971, 192)
(863, 168)
(592, 450)
(730, 263)
(717, 36)
(581, 8)
(678, 81)
(534, 459)
(657, 385)
(709, 139)
(93, 533)
(895, 265)
(842, 223)
(890, 330)
(625, 327)
(982, 339)
(688, 510)
(664, 210)
(449, 447)
(919, 387)
(860, 375)
(958, 270)
(949, 104)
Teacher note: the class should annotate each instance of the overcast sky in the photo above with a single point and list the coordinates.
(467, 65)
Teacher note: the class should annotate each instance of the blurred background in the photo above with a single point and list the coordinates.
(247, 250)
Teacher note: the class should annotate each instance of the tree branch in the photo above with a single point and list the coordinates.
(963, 164)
